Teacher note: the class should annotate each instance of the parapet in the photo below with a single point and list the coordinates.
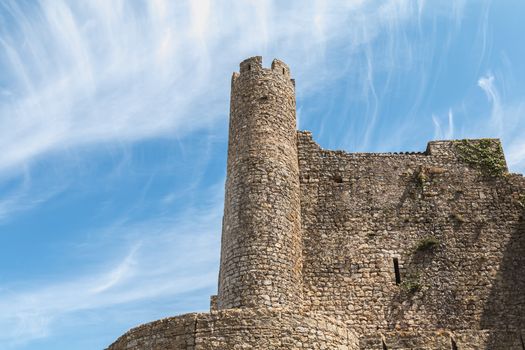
(251, 64)
(442, 147)
(484, 154)
(280, 67)
(254, 64)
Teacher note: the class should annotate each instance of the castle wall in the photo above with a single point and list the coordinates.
(333, 250)
(240, 329)
(360, 211)
(261, 237)
(445, 340)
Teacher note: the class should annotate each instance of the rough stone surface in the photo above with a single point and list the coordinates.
(261, 260)
(360, 211)
(334, 250)
(249, 328)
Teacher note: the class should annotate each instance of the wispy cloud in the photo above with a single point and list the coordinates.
(486, 83)
(502, 119)
(98, 75)
(441, 132)
(75, 74)
(20, 195)
(92, 73)
(161, 257)
(505, 121)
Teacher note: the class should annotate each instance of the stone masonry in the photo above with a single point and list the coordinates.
(334, 250)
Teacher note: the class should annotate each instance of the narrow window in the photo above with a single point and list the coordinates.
(284, 72)
(249, 67)
(396, 271)
(453, 344)
(384, 345)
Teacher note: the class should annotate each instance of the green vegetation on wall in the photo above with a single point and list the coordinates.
(427, 244)
(521, 200)
(485, 154)
(421, 177)
(411, 286)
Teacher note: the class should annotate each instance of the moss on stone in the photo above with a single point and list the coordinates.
(521, 200)
(458, 218)
(421, 177)
(411, 285)
(427, 244)
(485, 155)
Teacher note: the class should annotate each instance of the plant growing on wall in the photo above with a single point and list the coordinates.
(427, 244)
(421, 177)
(521, 200)
(411, 285)
(483, 154)
(458, 218)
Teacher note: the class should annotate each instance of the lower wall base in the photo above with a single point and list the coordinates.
(444, 340)
(284, 329)
(240, 329)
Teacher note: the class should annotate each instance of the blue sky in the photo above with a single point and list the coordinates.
(113, 132)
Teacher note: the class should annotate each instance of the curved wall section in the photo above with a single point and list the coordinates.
(261, 249)
(239, 329)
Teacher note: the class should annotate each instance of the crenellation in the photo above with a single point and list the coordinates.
(280, 67)
(252, 64)
(325, 249)
(235, 75)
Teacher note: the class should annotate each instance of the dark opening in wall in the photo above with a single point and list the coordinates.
(384, 345)
(453, 345)
(338, 179)
(249, 67)
(396, 271)
(284, 71)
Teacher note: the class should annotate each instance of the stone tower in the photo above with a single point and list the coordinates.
(261, 234)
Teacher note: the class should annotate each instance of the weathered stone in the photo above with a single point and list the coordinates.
(334, 250)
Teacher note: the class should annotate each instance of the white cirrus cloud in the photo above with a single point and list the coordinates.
(90, 72)
(159, 258)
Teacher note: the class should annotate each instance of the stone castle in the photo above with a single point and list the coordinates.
(334, 250)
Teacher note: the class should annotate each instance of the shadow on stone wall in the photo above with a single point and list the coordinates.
(443, 306)
(505, 309)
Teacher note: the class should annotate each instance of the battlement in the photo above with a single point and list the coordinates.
(481, 154)
(254, 66)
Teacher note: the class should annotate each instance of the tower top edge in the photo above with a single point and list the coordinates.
(254, 64)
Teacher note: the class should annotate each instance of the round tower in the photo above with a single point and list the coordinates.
(261, 252)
